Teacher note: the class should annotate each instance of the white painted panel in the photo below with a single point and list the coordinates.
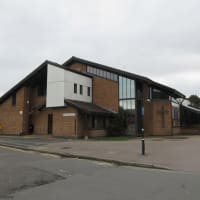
(55, 74)
(60, 86)
(70, 79)
(55, 94)
(55, 87)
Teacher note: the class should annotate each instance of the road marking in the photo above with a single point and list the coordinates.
(104, 164)
(172, 171)
(12, 148)
(29, 151)
(49, 154)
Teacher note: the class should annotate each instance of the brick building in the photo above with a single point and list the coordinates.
(80, 97)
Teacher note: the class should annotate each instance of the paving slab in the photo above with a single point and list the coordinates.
(177, 153)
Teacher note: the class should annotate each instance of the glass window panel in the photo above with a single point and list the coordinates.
(128, 88)
(94, 71)
(115, 77)
(133, 104)
(120, 87)
(121, 104)
(125, 104)
(88, 69)
(98, 72)
(101, 73)
(132, 89)
(158, 94)
(104, 74)
(124, 88)
(108, 75)
(111, 76)
(128, 103)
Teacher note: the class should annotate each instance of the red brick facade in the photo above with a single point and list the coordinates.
(12, 117)
(30, 109)
(105, 93)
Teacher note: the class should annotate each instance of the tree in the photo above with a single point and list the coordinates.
(118, 124)
(195, 100)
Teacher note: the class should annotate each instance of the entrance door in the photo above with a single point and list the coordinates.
(50, 123)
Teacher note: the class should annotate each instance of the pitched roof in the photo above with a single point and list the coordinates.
(186, 105)
(89, 108)
(74, 59)
(32, 74)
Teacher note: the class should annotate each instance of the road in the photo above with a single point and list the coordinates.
(29, 175)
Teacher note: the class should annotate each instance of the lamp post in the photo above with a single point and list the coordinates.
(142, 143)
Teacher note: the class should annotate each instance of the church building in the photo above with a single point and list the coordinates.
(79, 98)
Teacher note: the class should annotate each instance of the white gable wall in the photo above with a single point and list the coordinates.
(60, 86)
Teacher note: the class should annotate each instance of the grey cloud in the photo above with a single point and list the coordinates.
(155, 38)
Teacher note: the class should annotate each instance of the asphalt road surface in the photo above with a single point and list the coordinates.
(29, 175)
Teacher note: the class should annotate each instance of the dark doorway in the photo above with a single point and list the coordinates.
(50, 123)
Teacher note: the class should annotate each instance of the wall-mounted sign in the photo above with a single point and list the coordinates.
(69, 114)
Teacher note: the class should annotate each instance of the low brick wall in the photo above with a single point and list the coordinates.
(96, 133)
(192, 131)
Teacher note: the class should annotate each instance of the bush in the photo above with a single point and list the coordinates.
(118, 124)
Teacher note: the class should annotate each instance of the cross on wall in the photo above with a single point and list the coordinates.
(163, 112)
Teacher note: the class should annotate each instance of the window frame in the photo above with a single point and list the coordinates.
(75, 88)
(14, 99)
(81, 89)
(88, 91)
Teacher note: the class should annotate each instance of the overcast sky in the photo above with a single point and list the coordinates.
(159, 39)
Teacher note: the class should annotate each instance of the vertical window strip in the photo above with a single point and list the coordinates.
(88, 91)
(81, 89)
(75, 88)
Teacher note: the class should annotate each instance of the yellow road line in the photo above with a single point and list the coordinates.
(12, 148)
(28, 151)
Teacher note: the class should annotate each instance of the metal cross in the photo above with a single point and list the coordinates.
(162, 112)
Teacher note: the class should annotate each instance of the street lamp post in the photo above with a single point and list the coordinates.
(143, 143)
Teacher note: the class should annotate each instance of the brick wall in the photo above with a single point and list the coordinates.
(105, 93)
(36, 100)
(11, 117)
(96, 133)
(162, 125)
(79, 67)
(62, 126)
(154, 122)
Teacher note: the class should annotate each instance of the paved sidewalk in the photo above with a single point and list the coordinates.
(178, 153)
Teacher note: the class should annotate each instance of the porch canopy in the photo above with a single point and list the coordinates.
(89, 108)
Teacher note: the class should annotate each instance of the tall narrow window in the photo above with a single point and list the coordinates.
(88, 91)
(93, 122)
(75, 88)
(14, 99)
(81, 89)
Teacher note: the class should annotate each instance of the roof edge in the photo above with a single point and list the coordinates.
(126, 73)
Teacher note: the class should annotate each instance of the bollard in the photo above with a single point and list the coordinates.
(143, 146)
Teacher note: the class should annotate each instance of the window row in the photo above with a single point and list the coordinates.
(97, 122)
(159, 94)
(102, 73)
(126, 88)
(81, 89)
(127, 104)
